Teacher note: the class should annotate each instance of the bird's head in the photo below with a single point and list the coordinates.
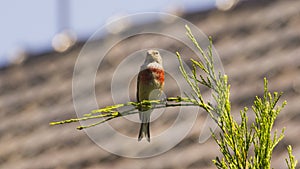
(153, 56)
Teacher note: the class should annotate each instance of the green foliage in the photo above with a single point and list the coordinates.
(292, 162)
(235, 140)
(243, 145)
(265, 114)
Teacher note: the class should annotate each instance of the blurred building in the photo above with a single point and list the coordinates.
(255, 39)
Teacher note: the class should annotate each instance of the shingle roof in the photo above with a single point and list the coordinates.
(254, 40)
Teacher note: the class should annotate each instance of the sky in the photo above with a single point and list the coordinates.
(31, 25)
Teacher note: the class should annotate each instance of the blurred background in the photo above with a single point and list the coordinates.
(39, 44)
(35, 26)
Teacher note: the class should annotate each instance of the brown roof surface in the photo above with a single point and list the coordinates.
(254, 40)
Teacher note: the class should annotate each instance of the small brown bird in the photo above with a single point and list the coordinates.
(150, 83)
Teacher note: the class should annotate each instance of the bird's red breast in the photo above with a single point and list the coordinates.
(150, 74)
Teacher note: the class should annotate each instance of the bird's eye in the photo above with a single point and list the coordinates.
(155, 53)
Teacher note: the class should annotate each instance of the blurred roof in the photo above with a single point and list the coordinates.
(255, 39)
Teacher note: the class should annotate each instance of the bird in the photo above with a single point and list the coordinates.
(150, 83)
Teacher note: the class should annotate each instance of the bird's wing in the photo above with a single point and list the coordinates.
(138, 87)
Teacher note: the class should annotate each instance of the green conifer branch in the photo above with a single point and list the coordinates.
(111, 112)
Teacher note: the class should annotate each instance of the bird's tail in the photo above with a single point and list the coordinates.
(144, 131)
(145, 125)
